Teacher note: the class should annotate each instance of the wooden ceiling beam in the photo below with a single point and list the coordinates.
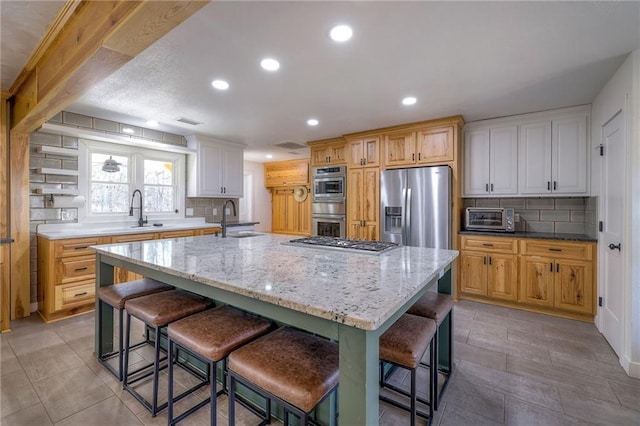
(95, 38)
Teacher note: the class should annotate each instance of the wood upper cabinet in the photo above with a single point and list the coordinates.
(328, 152)
(363, 203)
(286, 173)
(558, 275)
(363, 152)
(491, 161)
(289, 216)
(430, 145)
(489, 267)
(400, 149)
(435, 145)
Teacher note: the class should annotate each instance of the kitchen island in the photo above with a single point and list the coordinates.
(349, 297)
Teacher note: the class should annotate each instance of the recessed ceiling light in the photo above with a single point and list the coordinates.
(312, 122)
(127, 130)
(270, 64)
(220, 84)
(269, 156)
(409, 100)
(341, 33)
(152, 123)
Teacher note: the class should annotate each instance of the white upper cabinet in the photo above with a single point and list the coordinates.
(215, 169)
(534, 171)
(536, 154)
(490, 162)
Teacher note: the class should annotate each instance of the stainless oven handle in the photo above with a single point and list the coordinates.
(328, 179)
(329, 218)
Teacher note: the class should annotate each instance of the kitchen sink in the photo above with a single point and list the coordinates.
(243, 234)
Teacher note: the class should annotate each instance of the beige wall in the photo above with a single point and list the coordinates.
(261, 196)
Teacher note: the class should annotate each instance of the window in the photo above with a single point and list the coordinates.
(158, 175)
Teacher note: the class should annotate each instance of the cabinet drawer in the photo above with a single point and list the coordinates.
(210, 231)
(132, 237)
(176, 234)
(582, 251)
(73, 295)
(76, 246)
(489, 244)
(72, 269)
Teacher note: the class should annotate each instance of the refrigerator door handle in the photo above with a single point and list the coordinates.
(407, 222)
(404, 217)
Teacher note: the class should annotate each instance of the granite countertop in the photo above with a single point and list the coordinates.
(360, 290)
(80, 230)
(540, 235)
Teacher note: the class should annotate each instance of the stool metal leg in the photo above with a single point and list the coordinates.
(156, 373)
(125, 360)
(171, 355)
(213, 379)
(232, 400)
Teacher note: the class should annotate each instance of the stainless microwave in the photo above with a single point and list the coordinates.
(490, 219)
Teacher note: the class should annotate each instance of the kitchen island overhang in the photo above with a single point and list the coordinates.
(351, 298)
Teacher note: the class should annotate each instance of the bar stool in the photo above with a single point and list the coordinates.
(116, 296)
(292, 367)
(438, 307)
(404, 345)
(210, 336)
(157, 311)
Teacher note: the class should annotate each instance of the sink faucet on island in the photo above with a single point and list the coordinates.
(141, 221)
(224, 216)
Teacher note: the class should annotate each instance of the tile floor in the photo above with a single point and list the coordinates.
(512, 367)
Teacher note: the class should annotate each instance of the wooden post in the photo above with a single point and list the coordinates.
(5, 282)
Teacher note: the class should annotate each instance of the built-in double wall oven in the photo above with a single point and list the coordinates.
(328, 211)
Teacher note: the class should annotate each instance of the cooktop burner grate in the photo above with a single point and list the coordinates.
(335, 242)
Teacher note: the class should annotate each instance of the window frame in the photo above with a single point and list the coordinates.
(135, 177)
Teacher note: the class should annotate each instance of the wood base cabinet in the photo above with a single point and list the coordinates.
(289, 216)
(554, 277)
(492, 272)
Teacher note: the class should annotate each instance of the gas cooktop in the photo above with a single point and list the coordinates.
(360, 246)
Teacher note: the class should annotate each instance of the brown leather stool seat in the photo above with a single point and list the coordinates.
(438, 307)
(116, 296)
(211, 335)
(157, 311)
(295, 368)
(404, 345)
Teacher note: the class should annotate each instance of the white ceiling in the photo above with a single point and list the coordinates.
(478, 59)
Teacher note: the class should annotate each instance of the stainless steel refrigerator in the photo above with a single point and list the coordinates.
(415, 206)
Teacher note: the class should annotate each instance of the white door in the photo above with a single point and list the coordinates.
(503, 162)
(613, 178)
(476, 162)
(534, 158)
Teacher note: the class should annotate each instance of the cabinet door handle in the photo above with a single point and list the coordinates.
(487, 244)
(548, 185)
(489, 260)
(80, 247)
(80, 294)
(484, 260)
(81, 269)
(221, 190)
(419, 156)
(486, 187)
(491, 187)
(329, 158)
(557, 267)
(555, 249)
(364, 161)
(551, 266)
(413, 157)
(555, 185)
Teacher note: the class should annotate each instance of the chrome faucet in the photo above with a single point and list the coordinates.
(141, 221)
(224, 215)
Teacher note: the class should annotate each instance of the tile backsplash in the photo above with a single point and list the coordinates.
(205, 207)
(574, 215)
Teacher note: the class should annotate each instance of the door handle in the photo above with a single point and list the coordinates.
(548, 186)
(614, 246)
(486, 187)
(6, 240)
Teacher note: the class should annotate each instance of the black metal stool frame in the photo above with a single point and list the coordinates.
(446, 372)
(413, 396)
(268, 396)
(153, 405)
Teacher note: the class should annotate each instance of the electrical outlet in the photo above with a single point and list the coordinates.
(189, 212)
(215, 211)
(517, 217)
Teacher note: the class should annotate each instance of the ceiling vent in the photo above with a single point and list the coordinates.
(290, 145)
(188, 121)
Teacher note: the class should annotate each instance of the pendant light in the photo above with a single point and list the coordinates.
(110, 165)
